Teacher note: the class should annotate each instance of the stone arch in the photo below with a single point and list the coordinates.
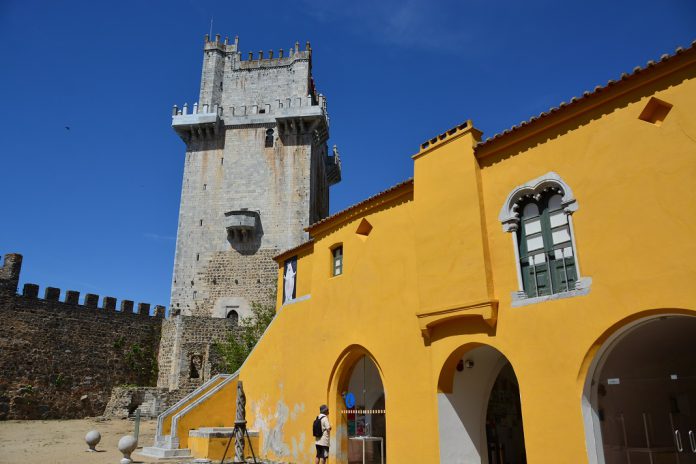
(592, 367)
(468, 391)
(337, 386)
(233, 315)
(509, 215)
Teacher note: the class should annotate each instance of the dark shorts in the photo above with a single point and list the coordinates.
(322, 451)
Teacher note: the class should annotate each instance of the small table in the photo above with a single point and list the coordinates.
(364, 439)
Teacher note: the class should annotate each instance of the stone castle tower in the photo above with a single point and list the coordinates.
(257, 172)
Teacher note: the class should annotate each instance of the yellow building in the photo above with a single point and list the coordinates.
(526, 298)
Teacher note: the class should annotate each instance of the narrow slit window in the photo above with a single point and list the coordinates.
(338, 260)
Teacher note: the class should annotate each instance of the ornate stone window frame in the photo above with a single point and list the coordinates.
(510, 219)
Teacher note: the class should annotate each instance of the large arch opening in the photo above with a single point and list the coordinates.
(639, 401)
(479, 410)
(360, 403)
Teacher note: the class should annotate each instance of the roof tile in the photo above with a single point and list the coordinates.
(665, 57)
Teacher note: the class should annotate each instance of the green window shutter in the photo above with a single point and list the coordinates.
(547, 258)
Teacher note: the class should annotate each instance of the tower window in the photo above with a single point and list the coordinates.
(337, 254)
(269, 138)
(205, 186)
(233, 314)
(195, 366)
(200, 222)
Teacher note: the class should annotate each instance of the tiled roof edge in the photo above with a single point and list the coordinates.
(351, 208)
(587, 94)
(292, 250)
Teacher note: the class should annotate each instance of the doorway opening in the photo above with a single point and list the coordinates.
(640, 398)
(480, 418)
(363, 427)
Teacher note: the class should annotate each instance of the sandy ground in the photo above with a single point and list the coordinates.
(63, 441)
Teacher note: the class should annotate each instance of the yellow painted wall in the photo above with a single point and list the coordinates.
(218, 411)
(214, 448)
(167, 422)
(442, 246)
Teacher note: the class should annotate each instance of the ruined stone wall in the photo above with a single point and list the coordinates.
(60, 359)
(188, 356)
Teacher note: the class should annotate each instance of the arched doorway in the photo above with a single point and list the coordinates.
(640, 395)
(480, 419)
(360, 400)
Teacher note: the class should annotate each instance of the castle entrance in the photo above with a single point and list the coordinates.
(642, 395)
(479, 410)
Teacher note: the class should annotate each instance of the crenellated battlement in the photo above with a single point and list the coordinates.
(290, 114)
(262, 60)
(91, 301)
(277, 106)
(231, 78)
(9, 280)
(224, 46)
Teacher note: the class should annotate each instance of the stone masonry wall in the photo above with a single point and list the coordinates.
(60, 359)
(188, 357)
(273, 182)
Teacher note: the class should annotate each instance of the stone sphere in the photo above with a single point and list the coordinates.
(92, 438)
(127, 445)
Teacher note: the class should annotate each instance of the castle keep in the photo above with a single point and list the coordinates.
(257, 172)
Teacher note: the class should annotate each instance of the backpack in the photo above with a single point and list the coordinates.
(317, 430)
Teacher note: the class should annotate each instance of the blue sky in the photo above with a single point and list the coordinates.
(94, 208)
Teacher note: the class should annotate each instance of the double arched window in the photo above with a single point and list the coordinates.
(538, 214)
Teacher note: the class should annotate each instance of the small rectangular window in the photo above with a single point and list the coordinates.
(338, 260)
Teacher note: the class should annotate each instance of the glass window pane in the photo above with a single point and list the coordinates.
(560, 236)
(532, 227)
(555, 202)
(558, 218)
(535, 243)
(530, 210)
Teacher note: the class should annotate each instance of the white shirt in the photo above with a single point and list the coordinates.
(326, 428)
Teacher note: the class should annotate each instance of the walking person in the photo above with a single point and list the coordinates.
(321, 429)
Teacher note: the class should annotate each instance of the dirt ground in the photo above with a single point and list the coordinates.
(63, 441)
